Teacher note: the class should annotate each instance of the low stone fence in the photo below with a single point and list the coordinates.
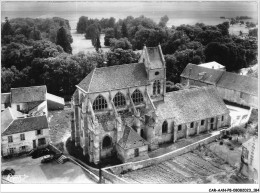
(123, 168)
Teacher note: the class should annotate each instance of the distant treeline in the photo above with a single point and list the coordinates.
(37, 51)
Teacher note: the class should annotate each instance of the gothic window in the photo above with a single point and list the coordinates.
(164, 127)
(100, 103)
(179, 127)
(136, 152)
(107, 142)
(156, 87)
(192, 124)
(137, 97)
(119, 100)
(202, 122)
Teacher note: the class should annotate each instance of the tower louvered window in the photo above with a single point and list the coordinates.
(156, 87)
(100, 103)
(119, 100)
(137, 97)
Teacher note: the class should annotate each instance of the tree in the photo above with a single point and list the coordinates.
(224, 27)
(163, 21)
(124, 31)
(109, 33)
(120, 56)
(63, 41)
(7, 28)
(238, 130)
(122, 43)
(96, 43)
(253, 32)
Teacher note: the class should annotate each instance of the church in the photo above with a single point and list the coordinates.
(124, 110)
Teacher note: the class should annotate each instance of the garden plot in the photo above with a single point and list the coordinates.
(187, 168)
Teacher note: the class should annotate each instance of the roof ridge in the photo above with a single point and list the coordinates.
(91, 78)
(28, 87)
(120, 65)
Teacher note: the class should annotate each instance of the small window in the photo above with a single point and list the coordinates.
(38, 132)
(136, 152)
(22, 137)
(202, 122)
(212, 120)
(192, 125)
(11, 150)
(10, 139)
(156, 73)
(222, 118)
(179, 127)
(23, 147)
(18, 107)
(164, 127)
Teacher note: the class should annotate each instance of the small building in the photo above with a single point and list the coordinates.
(30, 100)
(33, 101)
(250, 153)
(213, 65)
(24, 134)
(132, 147)
(235, 88)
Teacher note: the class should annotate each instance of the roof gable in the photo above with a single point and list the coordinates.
(26, 124)
(115, 77)
(195, 72)
(242, 83)
(28, 94)
(212, 65)
(131, 139)
(155, 57)
(5, 98)
(190, 105)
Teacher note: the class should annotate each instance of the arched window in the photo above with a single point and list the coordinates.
(107, 142)
(119, 100)
(137, 97)
(164, 127)
(100, 103)
(156, 87)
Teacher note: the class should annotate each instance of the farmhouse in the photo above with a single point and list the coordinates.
(124, 110)
(19, 135)
(235, 88)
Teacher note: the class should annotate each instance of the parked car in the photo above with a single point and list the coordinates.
(8, 171)
(47, 158)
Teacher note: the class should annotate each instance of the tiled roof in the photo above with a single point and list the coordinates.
(27, 124)
(131, 139)
(115, 77)
(5, 98)
(7, 116)
(28, 94)
(155, 57)
(207, 75)
(186, 106)
(245, 84)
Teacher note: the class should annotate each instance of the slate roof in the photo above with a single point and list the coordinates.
(26, 124)
(155, 57)
(131, 139)
(7, 117)
(5, 98)
(195, 72)
(186, 106)
(28, 94)
(245, 84)
(115, 77)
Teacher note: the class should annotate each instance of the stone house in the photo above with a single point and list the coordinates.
(23, 134)
(114, 102)
(235, 88)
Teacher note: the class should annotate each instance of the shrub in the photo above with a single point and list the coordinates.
(221, 143)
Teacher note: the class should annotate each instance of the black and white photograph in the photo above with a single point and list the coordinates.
(128, 93)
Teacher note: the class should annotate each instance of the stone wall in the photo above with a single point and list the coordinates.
(151, 161)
